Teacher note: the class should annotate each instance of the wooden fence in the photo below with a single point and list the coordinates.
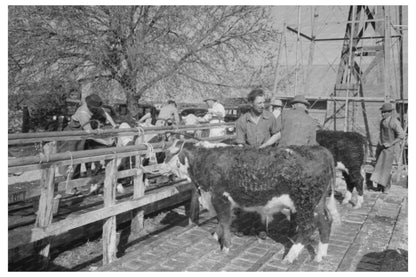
(45, 228)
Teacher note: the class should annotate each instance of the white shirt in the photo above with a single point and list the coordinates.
(217, 111)
(216, 115)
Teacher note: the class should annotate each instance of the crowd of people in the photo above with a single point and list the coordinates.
(263, 125)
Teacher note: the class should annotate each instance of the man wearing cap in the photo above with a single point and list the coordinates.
(388, 148)
(258, 127)
(296, 126)
(215, 114)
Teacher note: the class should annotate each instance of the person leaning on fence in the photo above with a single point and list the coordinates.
(81, 120)
(258, 127)
(388, 148)
(296, 126)
(215, 114)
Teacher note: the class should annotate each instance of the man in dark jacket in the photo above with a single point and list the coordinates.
(297, 127)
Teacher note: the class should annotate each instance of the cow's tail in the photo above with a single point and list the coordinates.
(331, 204)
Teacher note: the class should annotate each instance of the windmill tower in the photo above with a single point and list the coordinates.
(366, 51)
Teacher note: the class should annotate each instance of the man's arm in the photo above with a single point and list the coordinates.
(240, 133)
(146, 116)
(110, 119)
(271, 140)
(398, 131)
(176, 115)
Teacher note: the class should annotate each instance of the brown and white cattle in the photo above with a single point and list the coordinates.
(265, 181)
(349, 151)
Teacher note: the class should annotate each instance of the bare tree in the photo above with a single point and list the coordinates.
(147, 49)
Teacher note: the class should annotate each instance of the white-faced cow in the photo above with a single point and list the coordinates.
(265, 181)
(349, 151)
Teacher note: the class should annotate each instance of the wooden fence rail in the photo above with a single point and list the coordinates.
(22, 138)
(46, 229)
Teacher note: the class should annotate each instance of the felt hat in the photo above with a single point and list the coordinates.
(299, 99)
(276, 102)
(387, 107)
(94, 101)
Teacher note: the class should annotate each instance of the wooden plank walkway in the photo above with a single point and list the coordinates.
(358, 244)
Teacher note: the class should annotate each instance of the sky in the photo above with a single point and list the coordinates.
(330, 23)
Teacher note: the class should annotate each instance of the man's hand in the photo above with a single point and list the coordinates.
(111, 141)
(387, 145)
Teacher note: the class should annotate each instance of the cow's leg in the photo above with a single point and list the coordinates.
(350, 188)
(223, 209)
(357, 181)
(323, 221)
(294, 252)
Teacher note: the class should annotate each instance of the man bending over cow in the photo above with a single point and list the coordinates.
(257, 128)
(296, 126)
(81, 120)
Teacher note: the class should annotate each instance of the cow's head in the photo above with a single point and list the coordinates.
(177, 160)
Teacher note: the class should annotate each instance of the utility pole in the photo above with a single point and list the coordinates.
(387, 52)
(307, 86)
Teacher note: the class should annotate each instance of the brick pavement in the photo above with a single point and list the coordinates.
(356, 245)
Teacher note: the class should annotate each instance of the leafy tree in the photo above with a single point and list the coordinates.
(149, 50)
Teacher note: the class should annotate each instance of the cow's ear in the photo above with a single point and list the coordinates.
(173, 149)
(186, 156)
(182, 157)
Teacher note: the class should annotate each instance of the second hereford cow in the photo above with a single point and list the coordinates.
(349, 151)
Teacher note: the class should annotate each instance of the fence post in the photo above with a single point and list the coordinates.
(137, 221)
(45, 210)
(110, 224)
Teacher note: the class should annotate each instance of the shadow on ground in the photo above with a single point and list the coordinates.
(279, 229)
(388, 260)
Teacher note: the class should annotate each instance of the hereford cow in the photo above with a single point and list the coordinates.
(265, 181)
(349, 151)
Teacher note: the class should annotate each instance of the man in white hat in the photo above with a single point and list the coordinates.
(388, 148)
(276, 107)
(215, 114)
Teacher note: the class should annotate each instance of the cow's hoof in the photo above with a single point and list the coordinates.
(347, 198)
(357, 206)
(226, 250)
(215, 236)
(318, 259)
(322, 251)
(360, 201)
(346, 201)
(239, 234)
(262, 235)
(293, 253)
